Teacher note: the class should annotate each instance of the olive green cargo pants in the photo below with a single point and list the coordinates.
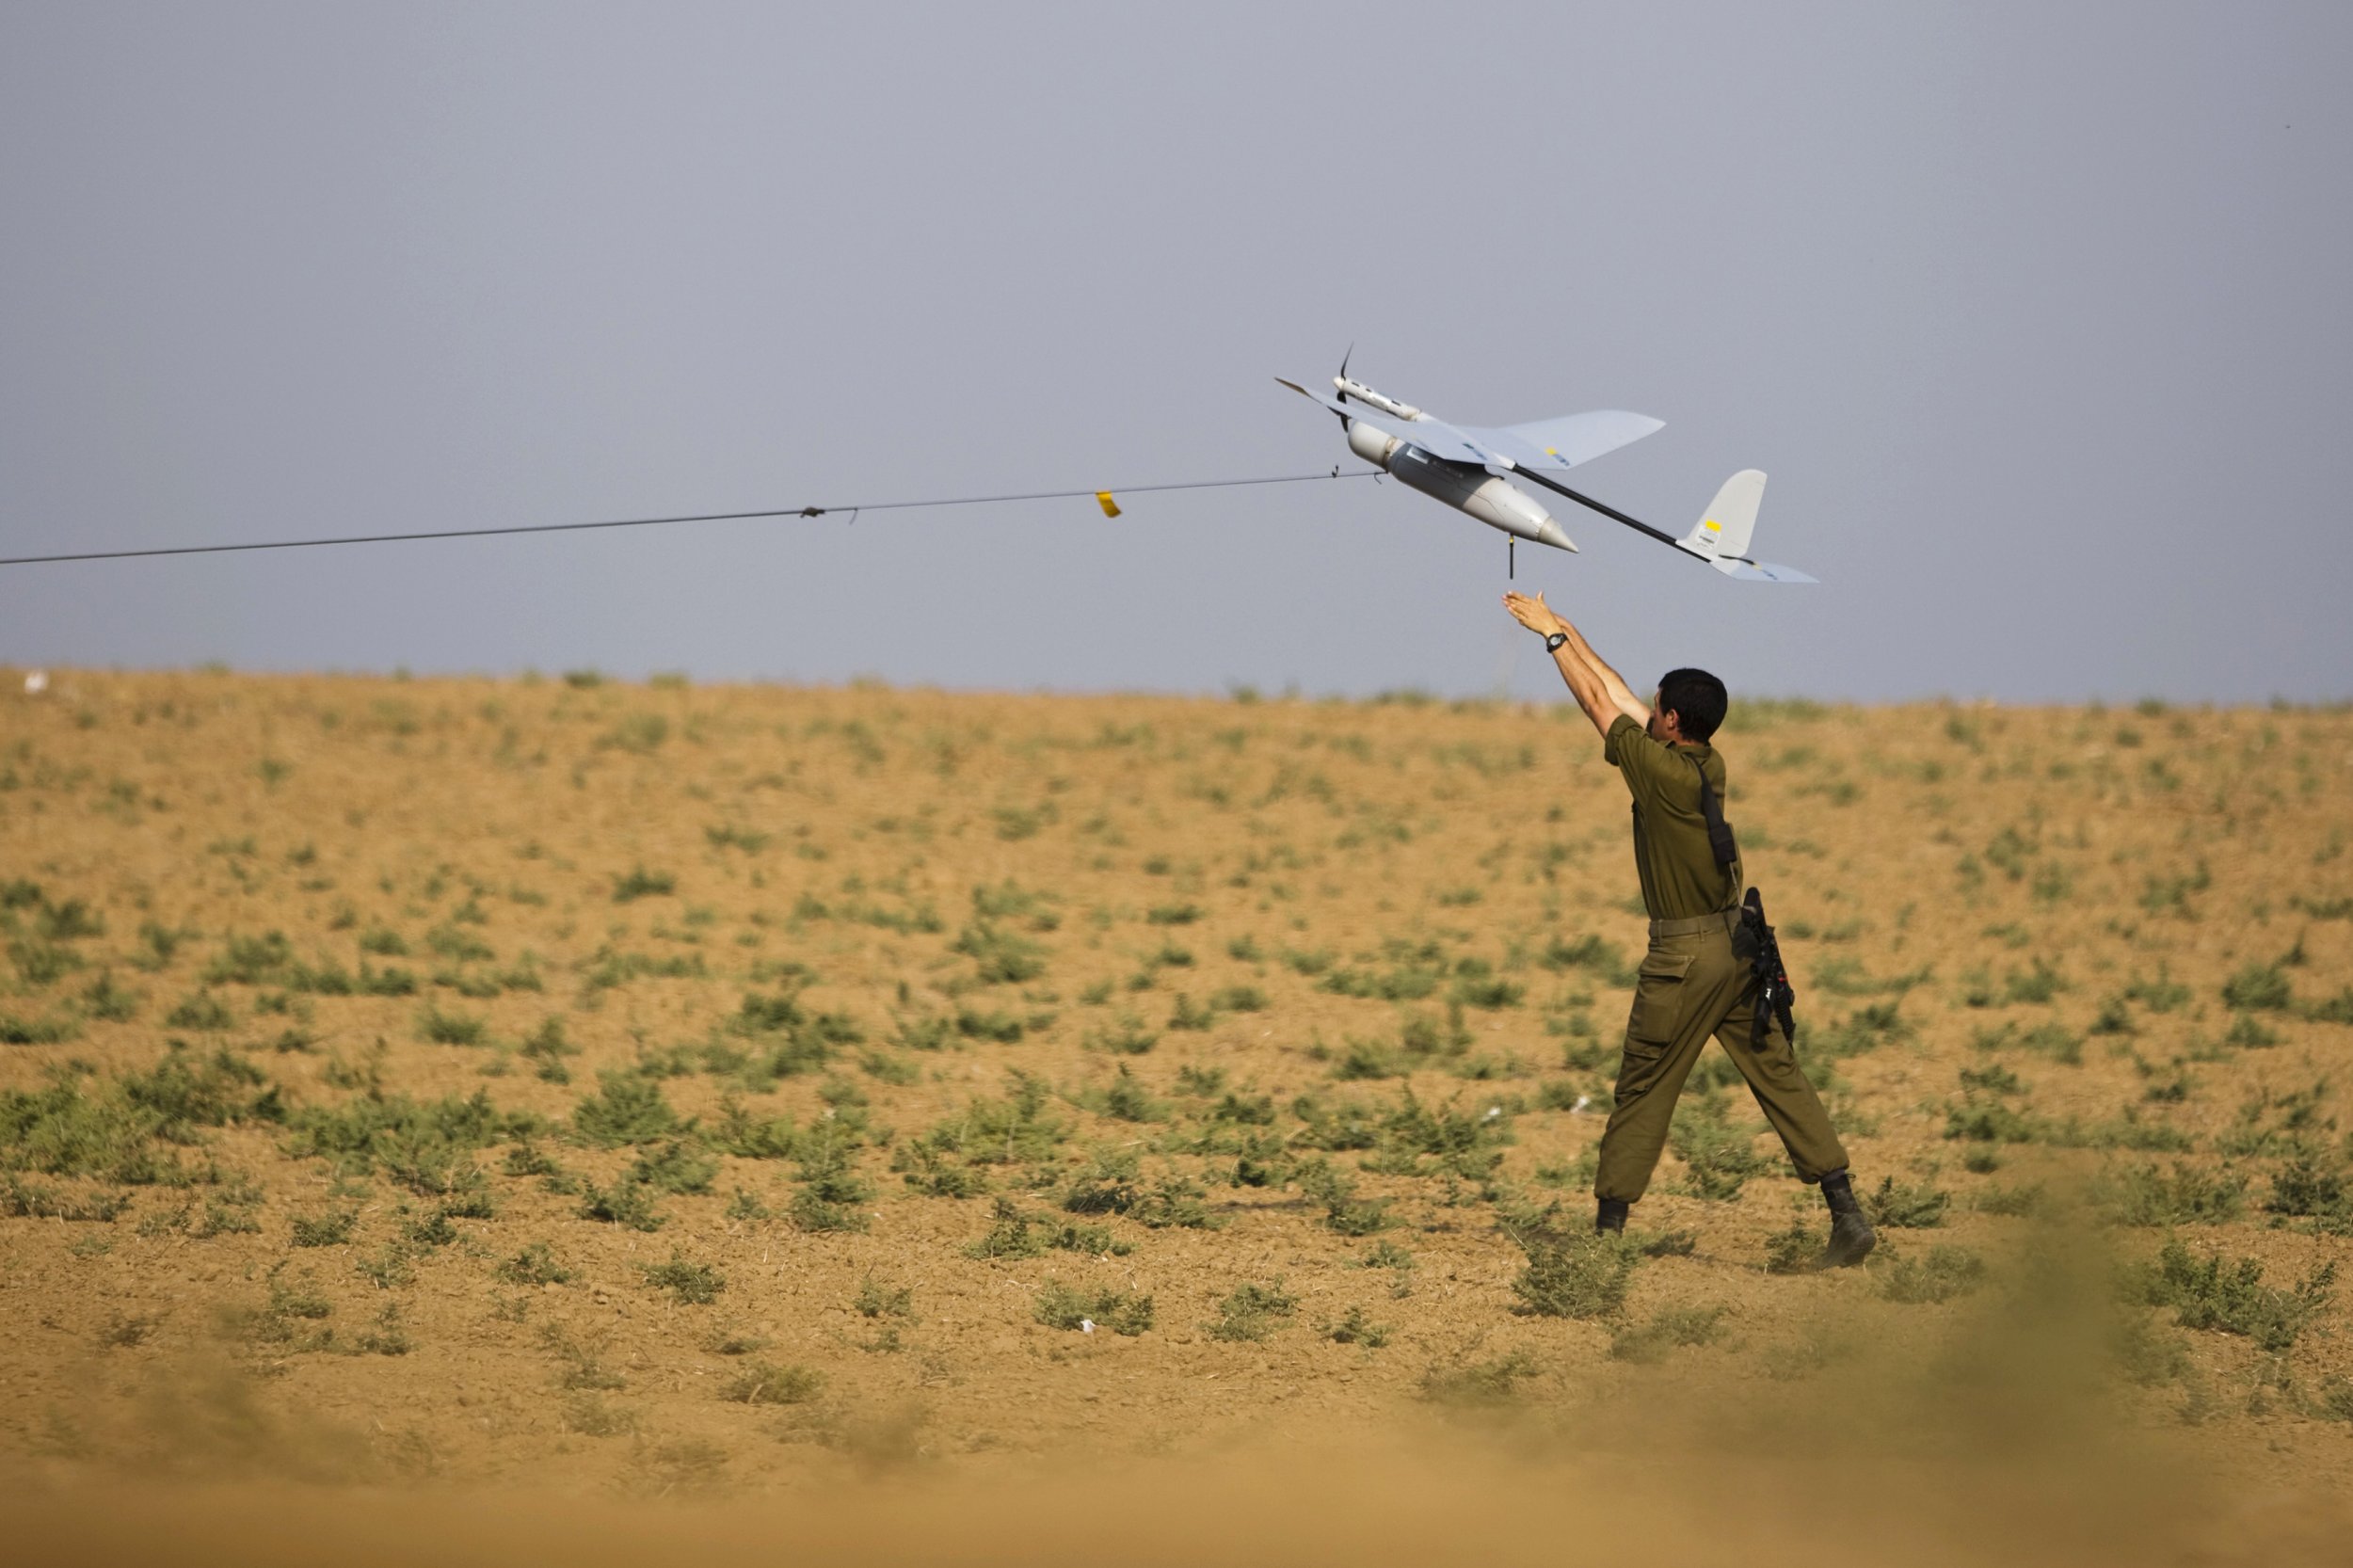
(1693, 985)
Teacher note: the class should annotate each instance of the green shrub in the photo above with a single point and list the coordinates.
(628, 1107)
(1671, 1327)
(2235, 1300)
(1903, 1206)
(1575, 1276)
(17, 1031)
(765, 1382)
(2161, 995)
(624, 1203)
(1060, 1306)
(1944, 1273)
(2308, 1186)
(1987, 1121)
(109, 1001)
(1719, 1158)
(2143, 1195)
(1126, 1037)
(1357, 1327)
(1014, 1131)
(1173, 1203)
(1128, 1100)
(591, 1417)
(2038, 984)
(1794, 1251)
(2259, 988)
(202, 1011)
(69, 921)
(1866, 1029)
(1344, 1212)
(642, 733)
(24, 1201)
(1189, 1016)
(535, 1265)
(641, 883)
(326, 1230)
(1480, 1386)
(1001, 956)
(427, 1146)
(678, 1165)
(877, 1299)
(2012, 1202)
(1251, 1312)
(832, 1192)
(923, 1033)
(40, 963)
(1011, 1232)
(996, 1025)
(689, 1283)
(1605, 960)
(1457, 1142)
(449, 1029)
(1490, 993)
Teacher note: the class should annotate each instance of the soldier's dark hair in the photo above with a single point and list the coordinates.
(1696, 699)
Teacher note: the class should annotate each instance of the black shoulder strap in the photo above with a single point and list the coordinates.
(1719, 831)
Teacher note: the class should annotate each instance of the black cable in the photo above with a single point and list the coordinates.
(655, 522)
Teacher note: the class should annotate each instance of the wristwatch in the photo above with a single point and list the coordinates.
(1552, 643)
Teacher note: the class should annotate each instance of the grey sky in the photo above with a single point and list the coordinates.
(2037, 315)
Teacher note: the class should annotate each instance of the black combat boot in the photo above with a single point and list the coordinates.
(1850, 1235)
(1609, 1217)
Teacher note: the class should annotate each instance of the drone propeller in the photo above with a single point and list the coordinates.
(1341, 382)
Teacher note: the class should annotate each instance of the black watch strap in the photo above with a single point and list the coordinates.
(1552, 643)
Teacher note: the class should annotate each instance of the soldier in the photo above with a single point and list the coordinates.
(1696, 980)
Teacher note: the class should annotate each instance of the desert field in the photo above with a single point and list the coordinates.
(1137, 1114)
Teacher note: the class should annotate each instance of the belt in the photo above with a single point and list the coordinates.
(1723, 919)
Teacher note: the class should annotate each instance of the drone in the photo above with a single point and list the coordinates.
(1471, 468)
(1467, 467)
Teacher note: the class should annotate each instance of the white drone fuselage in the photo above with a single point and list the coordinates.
(1459, 484)
(1465, 487)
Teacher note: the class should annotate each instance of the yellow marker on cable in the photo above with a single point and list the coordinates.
(1103, 499)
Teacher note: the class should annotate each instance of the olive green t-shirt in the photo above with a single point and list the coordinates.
(1680, 877)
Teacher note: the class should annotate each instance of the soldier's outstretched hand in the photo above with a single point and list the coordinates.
(1534, 613)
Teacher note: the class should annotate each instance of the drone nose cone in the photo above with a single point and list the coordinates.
(1550, 533)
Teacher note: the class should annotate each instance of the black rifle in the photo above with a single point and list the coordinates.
(1775, 995)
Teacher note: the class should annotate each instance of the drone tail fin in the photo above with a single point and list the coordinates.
(1725, 528)
(1721, 535)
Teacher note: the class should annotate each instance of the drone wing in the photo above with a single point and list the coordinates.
(1561, 444)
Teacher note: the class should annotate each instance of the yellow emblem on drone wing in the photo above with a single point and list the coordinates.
(1103, 499)
(1713, 527)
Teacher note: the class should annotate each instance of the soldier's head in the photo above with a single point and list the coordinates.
(1688, 706)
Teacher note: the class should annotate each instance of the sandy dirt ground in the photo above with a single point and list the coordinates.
(491, 1114)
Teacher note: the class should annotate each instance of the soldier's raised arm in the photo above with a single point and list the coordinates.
(1599, 690)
